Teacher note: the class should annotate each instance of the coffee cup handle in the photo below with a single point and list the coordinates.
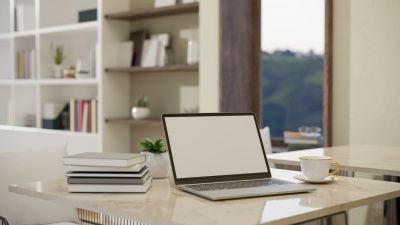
(337, 169)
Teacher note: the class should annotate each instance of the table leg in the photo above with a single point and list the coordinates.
(391, 213)
(337, 218)
(88, 217)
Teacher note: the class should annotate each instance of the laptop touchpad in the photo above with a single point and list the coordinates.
(242, 192)
(296, 187)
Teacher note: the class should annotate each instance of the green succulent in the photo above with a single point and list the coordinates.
(59, 57)
(141, 102)
(148, 145)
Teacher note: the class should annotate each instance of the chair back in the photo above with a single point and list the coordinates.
(3, 221)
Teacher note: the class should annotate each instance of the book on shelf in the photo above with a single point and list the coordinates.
(299, 141)
(25, 17)
(135, 168)
(138, 38)
(32, 65)
(94, 115)
(26, 64)
(92, 61)
(83, 115)
(109, 180)
(163, 40)
(110, 187)
(124, 54)
(109, 173)
(295, 147)
(80, 114)
(87, 15)
(53, 115)
(72, 115)
(150, 53)
(30, 120)
(89, 119)
(20, 65)
(104, 159)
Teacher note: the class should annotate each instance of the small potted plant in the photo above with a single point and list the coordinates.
(156, 157)
(58, 58)
(140, 108)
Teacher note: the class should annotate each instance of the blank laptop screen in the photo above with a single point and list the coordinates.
(203, 146)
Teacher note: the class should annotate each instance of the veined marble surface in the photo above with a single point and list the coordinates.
(369, 159)
(164, 204)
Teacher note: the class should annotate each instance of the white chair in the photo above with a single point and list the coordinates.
(29, 166)
(266, 139)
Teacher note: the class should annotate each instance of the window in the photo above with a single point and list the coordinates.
(240, 69)
(292, 59)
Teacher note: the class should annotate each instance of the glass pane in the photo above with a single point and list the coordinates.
(292, 64)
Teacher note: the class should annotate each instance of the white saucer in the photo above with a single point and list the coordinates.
(302, 178)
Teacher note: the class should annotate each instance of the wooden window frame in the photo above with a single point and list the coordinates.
(240, 60)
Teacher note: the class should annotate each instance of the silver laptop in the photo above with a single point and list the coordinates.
(221, 156)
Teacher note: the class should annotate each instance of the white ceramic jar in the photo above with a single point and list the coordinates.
(140, 113)
(158, 164)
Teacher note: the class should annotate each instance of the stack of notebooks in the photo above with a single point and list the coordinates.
(107, 172)
(300, 141)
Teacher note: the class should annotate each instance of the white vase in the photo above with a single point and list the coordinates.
(139, 113)
(193, 52)
(57, 71)
(158, 164)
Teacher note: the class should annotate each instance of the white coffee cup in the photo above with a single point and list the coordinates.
(317, 167)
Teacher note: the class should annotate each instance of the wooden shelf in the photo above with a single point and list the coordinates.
(130, 121)
(155, 12)
(172, 68)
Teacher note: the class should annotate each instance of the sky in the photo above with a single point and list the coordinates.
(297, 25)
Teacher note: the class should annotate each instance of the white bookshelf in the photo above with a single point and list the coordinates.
(55, 23)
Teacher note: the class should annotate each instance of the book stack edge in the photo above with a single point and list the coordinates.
(107, 172)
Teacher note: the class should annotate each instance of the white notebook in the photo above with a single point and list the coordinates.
(135, 168)
(104, 159)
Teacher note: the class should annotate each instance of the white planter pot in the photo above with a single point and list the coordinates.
(193, 52)
(57, 71)
(139, 113)
(158, 164)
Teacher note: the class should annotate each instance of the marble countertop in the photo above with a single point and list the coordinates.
(369, 159)
(164, 204)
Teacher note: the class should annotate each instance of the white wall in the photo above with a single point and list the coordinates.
(366, 72)
(366, 81)
(209, 56)
(341, 72)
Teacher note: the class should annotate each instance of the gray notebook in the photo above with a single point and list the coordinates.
(107, 174)
(108, 180)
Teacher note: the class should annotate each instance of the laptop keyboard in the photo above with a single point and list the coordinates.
(237, 184)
